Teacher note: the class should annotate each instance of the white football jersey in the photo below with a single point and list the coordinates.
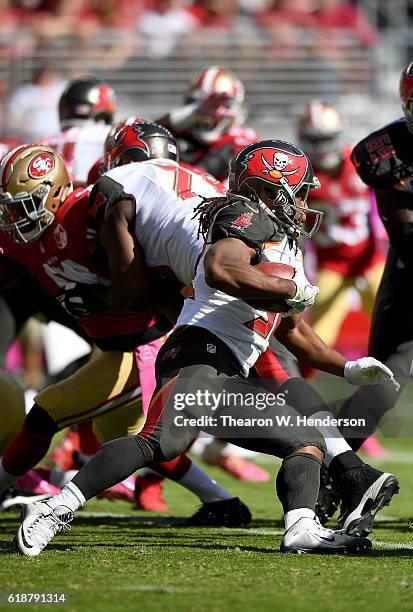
(166, 194)
(244, 329)
(80, 147)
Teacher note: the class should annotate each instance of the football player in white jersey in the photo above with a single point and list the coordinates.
(202, 368)
(82, 396)
(86, 110)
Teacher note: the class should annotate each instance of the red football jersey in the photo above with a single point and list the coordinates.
(345, 241)
(215, 157)
(67, 253)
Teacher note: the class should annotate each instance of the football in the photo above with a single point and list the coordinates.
(273, 269)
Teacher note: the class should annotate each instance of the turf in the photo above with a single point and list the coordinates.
(129, 560)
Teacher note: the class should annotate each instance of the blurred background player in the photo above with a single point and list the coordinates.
(347, 250)
(209, 127)
(86, 111)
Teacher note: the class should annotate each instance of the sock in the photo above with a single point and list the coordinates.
(89, 445)
(293, 516)
(70, 496)
(343, 462)
(203, 486)
(59, 478)
(25, 451)
(174, 469)
(114, 461)
(335, 443)
(6, 479)
(298, 481)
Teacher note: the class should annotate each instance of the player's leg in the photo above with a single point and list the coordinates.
(12, 415)
(107, 380)
(218, 505)
(391, 341)
(331, 306)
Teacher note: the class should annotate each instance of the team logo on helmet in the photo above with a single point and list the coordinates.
(103, 99)
(277, 166)
(41, 165)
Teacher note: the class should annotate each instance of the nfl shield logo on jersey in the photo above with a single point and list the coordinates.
(60, 236)
(211, 348)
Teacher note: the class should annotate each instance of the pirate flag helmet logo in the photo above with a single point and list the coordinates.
(278, 175)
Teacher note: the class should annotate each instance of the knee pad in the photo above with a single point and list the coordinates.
(39, 422)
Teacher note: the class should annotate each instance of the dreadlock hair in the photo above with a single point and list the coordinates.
(208, 207)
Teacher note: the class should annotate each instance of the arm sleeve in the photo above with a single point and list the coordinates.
(105, 194)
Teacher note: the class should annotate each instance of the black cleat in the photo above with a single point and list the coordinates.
(226, 513)
(364, 491)
(328, 497)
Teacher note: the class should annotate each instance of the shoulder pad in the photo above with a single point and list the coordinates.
(383, 159)
(105, 194)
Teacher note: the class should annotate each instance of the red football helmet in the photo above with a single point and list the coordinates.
(278, 176)
(406, 94)
(138, 142)
(225, 86)
(319, 130)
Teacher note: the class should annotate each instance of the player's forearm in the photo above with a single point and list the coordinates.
(308, 347)
(243, 281)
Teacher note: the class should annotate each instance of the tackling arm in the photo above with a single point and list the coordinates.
(130, 289)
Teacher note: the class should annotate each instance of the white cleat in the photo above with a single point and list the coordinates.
(307, 535)
(39, 524)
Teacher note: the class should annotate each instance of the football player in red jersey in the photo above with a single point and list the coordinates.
(345, 246)
(51, 233)
(209, 127)
(86, 110)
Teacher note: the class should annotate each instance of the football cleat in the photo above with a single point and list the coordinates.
(372, 448)
(148, 494)
(307, 535)
(364, 491)
(62, 455)
(239, 468)
(34, 482)
(39, 524)
(328, 497)
(124, 490)
(225, 513)
(18, 497)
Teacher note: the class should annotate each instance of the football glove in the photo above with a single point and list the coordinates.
(370, 371)
(305, 295)
(81, 299)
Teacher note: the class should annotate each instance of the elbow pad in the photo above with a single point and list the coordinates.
(401, 239)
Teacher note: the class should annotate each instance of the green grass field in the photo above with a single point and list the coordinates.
(118, 559)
